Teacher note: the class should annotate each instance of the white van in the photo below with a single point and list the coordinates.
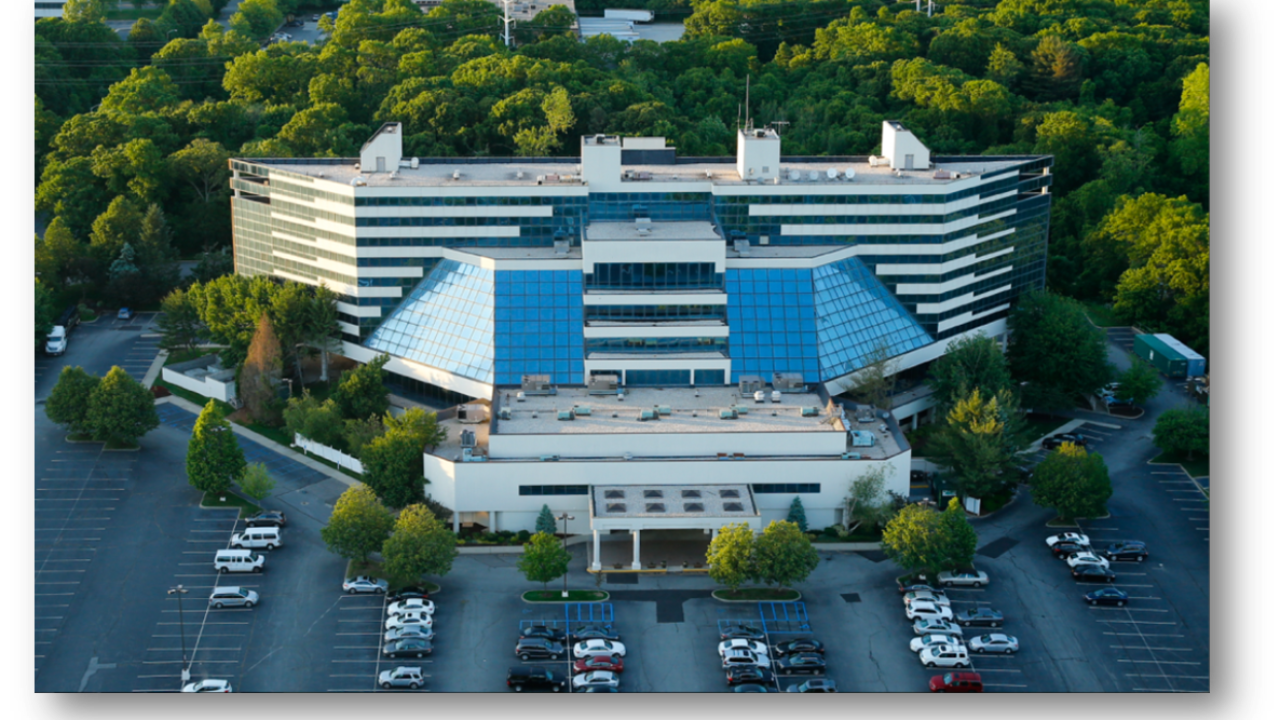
(57, 342)
(232, 597)
(238, 561)
(257, 537)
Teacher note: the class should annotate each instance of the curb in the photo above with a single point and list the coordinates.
(565, 602)
(1016, 500)
(136, 449)
(848, 547)
(153, 372)
(800, 596)
(1195, 479)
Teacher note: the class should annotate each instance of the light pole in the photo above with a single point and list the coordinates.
(565, 517)
(182, 630)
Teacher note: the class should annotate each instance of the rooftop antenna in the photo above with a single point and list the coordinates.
(507, 20)
(930, 8)
(748, 102)
(778, 125)
(739, 116)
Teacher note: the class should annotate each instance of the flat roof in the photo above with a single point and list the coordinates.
(687, 501)
(664, 230)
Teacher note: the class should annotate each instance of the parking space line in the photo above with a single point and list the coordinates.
(1163, 649)
(1147, 634)
(1008, 685)
(1161, 662)
(1003, 670)
(1181, 677)
(1136, 622)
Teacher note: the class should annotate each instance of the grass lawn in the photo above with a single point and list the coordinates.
(1197, 468)
(553, 596)
(232, 500)
(87, 315)
(775, 594)
(1101, 315)
(182, 356)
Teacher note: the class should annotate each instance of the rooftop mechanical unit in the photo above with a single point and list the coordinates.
(646, 415)
(468, 438)
(788, 382)
(536, 385)
(581, 411)
(473, 414)
(564, 415)
(602, 385)
(810, 412)
(729, 414)
(862, 438)
(749, 384)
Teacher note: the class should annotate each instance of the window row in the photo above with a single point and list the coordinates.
(553, 489)
(654, 313)
(657, 345)
(786, 488)
(655, 276)
(436, 201)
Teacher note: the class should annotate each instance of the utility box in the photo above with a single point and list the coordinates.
(1168, 355)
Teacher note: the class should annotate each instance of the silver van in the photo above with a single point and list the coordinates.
(232, 597)
(238, 561)
(257, 537)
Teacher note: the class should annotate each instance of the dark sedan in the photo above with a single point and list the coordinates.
(745, 632)
(753, 688)
(980, 616)
(408, 647)
(812, 663)
(1092, 573)
(1107, 596)
(266, 518)
(542, 631)
(594, 632)
(1126, 550)
(753, 674)
(791, 647)
(1063, 549)
(407, 594)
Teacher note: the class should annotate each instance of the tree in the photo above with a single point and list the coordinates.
(256, 482)
(796, 515)
(359, 524)
(422, 425)
(544, 559)
(357, 434)
(124, 279)
(256, 18)
(1183, 431)
(920, 538)
(68, 403)
(873, 384)
(261, 372)
(1056, 69)
(971, 363)
(112, 230)
(1073, 482)
(783, 555)
(1055, 351)
(419, 545)
(156, 258)
(121, 410)
(1004, 67)
(867, 502)
(214, 457)
(179, 322)
(307, 416)
(212, 265)
(59, 256)
(546, 521)
(729, 559)
(1191, 130)
(90, 11)
(979, 442)
(1139, 383)
(960, 540)
(360, 391)
(322, 326)
(393, 468)
(46, 312)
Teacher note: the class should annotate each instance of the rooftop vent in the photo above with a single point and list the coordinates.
(655, 507)
(690, 493)
(564, 415)
(468, 438)
(748, 384)
(616, 507)
(788, 382)
(728, 493)
(614, 494)
(653, 493)
(742, 247)
(694, 507)
(504, 414)
(562, 247)
(733, 507)
(664, 409)
(581, 411)
(810, 411)
(535, 385)
(602, 385)
(646, 415)
(457, 175)
(729, 414)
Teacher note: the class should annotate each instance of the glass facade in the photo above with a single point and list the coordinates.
(657, 345)
(772, 323)
(654, 313)
(787, 488)
(857, 315)
(658, 378)
(655, 276)
(708, 377)
(538, 321)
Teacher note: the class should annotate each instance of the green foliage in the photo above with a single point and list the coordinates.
(920, 538)
(1073, 482)
(971, 363)
(68, 403)
(960, 540)
(1183, 431)
(873, 384)
(1055, 351)
(179, 322)
(359, 524)
(307, 416)
(796, 515)
(46, 312)
(393, 468)
(1191, 133)
(260, 373)
(783, 555)
(214, 457)
(419, 545)
(423, 426)
(546, 521)
(356, 434)
(360, 391)
(256, 482)
(729, 559)
(544, 559)
(867, 502)
(120, 409)
(979, 442)
(1139, 383)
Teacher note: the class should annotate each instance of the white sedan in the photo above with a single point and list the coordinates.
(412, 604)
(1086, 558)
(924, 641)
(936, 597)
(413, 617)
(924, 610)
(754, 646)
(939, 627)
(596, 678)
(203, 686)
(594, 647)
(994, 643)
(1067, 537)
(744, 658)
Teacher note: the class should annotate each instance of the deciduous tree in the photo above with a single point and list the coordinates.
(729, 560)
(68, 403)
(783, 555)
(544, 559)
(979, 442)
(393, 468)
(914, 539)
(971, 363)
(360, 391)
(214, 457)
(1072, 481)
(179, 322)
(121, 410)
(307, 416)
(1139, 383)
(1055, 351)
(359, 524)
(357, 434)
(256, 482)
(419, 545)
(868, 503)
(960, 540)
(1183, 431)
(422, 425)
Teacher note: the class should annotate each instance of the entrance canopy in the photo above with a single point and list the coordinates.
(654, 507)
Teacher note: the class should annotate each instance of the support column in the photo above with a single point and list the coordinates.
(595, 550)
(457, 524)
(715, 532)
(493, 521)
(635, 550)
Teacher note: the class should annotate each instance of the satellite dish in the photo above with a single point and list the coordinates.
(794, 175)
(832, 173)
(813, 176)
(849, 173)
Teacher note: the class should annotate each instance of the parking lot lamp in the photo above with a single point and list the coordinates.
(182, 630)
(565, 517)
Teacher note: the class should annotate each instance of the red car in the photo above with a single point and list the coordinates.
(956, 682)
(599, 662)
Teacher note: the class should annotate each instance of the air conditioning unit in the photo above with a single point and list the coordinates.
(748, 384)
(536, 385)
(602, 385)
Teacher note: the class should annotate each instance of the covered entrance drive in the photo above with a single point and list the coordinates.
(672, 515)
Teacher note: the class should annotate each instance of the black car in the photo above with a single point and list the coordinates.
(69, 318)
(407, 593)
(752, 688)
(752, 674)
(1089, 572)
(408, 647)
(812, 663)
(532, 677)
(594, 632)
(790, 647)
(745, 632)
(1125, 550)
(538, 649)
(1067, 547)
(980, 616)
(1107, 596)
(543, 631)
(266, 518)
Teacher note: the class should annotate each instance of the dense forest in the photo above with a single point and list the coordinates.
(132, 135)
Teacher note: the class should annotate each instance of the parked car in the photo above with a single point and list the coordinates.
(941, 627)
(980, 616)
(412, 605)
(752, 688)
(811, 663)
(800, 645)
(410, 677)
(591, 648)
(1067, 537)
(919, 609)
(599, 689)
(595, 632)
(409, 631)
(813, 685)
(741, 631)
(956, 682)
(994, 643)
(407, 593)
(1063, 549)
(598, 662)
(1086, 558)
(972, 578)
(315, 18)
(538, 649)
(907, 583)
(1092, 573)
(1126, 550)
(934, 596)
(921, 642)
(741, 658)
(124, 314)
(407, 647)
(55, 342)
(945, 656)
(1107, 596)
(542, 631)
(232, 597)
(754, 646)
(364, 584)
(1073, 437)
(596, 678)
(534, 677)
(413, 617)
(266, 518)
(748, 674)
(207, 686)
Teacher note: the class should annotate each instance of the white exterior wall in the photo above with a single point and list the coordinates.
(896, 143)
(387, 145)
(690, 445)
(759, 158)
(208, 387)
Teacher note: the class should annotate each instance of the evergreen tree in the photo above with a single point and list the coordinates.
(68, 403)
(796, 515)
(214, 457)
(546, 521)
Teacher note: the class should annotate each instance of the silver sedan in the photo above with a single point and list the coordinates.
(994, 643)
